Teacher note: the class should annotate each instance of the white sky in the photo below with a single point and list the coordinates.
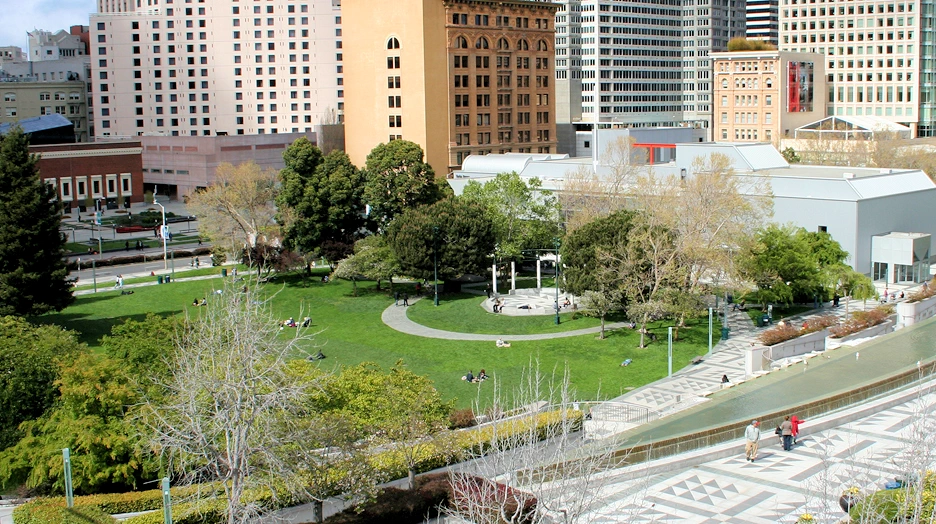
(20, 16)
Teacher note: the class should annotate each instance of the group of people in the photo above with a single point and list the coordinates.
(118, 283)
(498, 306)
(398, 296)
(787, 431)
(502, 344)
(290, 322)
(482, 376)
(139, 245)
(893, 296)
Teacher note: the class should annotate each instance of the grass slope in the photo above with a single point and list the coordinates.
(351, 332)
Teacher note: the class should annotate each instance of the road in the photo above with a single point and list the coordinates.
(108, 273)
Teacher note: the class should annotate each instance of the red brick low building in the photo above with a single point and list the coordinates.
(110, 173)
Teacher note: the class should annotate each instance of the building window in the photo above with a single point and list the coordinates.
(482, 43)
(393, 43)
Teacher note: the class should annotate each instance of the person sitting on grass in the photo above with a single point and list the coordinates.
(195, 302)
(289, 322)
(626, 363)
(482, 376)
(501, 344)
(469, 377)
(306, 322)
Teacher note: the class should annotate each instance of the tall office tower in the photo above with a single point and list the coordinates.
(215, 67)
(880, 61)
(458, 77)
(638, 63)
(762, 19)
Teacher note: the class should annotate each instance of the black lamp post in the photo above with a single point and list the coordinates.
(557, 280)
(435, 264)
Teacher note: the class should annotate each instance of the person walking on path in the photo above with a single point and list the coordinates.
(751, 437)
(786, 433)
(795, 422)
(405, 299)
(396, 298)
(487, 290)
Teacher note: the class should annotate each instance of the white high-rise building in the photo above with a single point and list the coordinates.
(639, 64)
(879, 59)
(215, 67)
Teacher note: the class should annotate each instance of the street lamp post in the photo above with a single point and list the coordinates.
(163, 233)
(557, 280)
(435, 264)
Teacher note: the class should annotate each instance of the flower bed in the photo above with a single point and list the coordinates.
(787, 331)
(925, 292)
(861, 320)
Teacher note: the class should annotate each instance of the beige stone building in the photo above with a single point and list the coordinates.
(215, 67)
(25, 98)
(458, 77)
(763, 96)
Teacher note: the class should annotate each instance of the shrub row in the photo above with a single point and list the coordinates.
(52, 510)
(910, 504)
(923, 293)
(861, 320)
(136, 259)
(787, 331)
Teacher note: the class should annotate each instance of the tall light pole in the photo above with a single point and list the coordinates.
(557, 280)
(435, 264)
(163, 232)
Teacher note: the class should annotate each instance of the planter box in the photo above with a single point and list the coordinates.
(881, 329)
(759, 358)
(909, 313)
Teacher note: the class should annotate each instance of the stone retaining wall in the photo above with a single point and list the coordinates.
(909, 313)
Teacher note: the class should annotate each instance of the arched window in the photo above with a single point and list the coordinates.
(482, 43)
(724, 83)
(503, 44)
(769, 83)
(393, 43)
(523, 45)
(461, 43)
(542, 46)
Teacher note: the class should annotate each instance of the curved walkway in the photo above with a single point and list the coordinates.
(395, 317)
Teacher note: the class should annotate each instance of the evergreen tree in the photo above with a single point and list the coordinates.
(33, 275)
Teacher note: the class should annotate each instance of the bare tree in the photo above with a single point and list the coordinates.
(536, 466)
(231, 410)
(239, 203)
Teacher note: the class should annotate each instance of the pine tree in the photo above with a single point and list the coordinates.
(33, 275)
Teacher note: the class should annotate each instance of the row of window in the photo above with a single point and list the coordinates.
(503, 44)
(747, 118)
(98, 182)
(482, 81)
(519, 22)
(46, 95)
(502, 62)
(748, 83)
(503, 118)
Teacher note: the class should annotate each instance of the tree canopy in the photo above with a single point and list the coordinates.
(525, 216)
(33, 275)
(322, 199)
(581, 248)
(459, 231)
(397, 179)
(27, 372)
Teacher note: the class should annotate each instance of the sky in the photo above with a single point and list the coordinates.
(20, 16)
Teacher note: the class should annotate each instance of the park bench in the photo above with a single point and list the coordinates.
(697, 359)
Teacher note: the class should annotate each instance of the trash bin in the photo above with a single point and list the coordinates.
(223, 272)
(765, 320)
(168, 279)
(724, 333)
(760, 322)
(159, 279)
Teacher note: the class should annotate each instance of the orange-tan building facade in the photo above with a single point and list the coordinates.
(763, 96)
(458, 77)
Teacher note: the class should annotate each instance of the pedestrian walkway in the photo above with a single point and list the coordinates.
(104, 286)
(395, 317)
(862, 446)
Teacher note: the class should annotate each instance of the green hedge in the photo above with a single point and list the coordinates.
(95, 509)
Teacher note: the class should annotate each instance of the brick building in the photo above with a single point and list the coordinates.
(107, 173)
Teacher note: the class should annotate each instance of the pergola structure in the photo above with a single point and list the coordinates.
(851, 128)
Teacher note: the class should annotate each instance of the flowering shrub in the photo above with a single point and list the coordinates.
(862, 320)
(923, 293)
(788, 332)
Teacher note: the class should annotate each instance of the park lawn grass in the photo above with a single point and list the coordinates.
(350, 331)
(463, 313)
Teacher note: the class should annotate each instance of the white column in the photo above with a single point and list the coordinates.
(539, 274)
(513, 276)
(494, 277)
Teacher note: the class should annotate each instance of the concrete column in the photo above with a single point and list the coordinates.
(494, 277)
(513, 276)
(539, 274)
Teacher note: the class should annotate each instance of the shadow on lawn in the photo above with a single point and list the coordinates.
(91, 330)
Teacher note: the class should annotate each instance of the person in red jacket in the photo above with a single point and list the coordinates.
(795, 422)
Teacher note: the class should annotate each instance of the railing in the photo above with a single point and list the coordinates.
(612, 411)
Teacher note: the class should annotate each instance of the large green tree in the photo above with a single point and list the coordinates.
(788, 264)
(582, 247)
(33, 275)
(27, 372)
(460, 232)
(397, 179)
(525, 216)
(322, 200)
(373, 259)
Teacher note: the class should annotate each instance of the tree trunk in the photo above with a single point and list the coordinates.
(411, 479)
(602, 335)
(354, 286)
(378, 284)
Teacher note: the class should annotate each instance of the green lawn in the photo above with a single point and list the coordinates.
(352, 332)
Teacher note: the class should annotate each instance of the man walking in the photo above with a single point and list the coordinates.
(786, 433)
(406, 299)
(751, 436)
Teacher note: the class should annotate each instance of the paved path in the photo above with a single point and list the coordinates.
(716, 484)
(395, 317)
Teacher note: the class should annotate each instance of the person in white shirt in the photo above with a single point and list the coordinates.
(751, 436)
